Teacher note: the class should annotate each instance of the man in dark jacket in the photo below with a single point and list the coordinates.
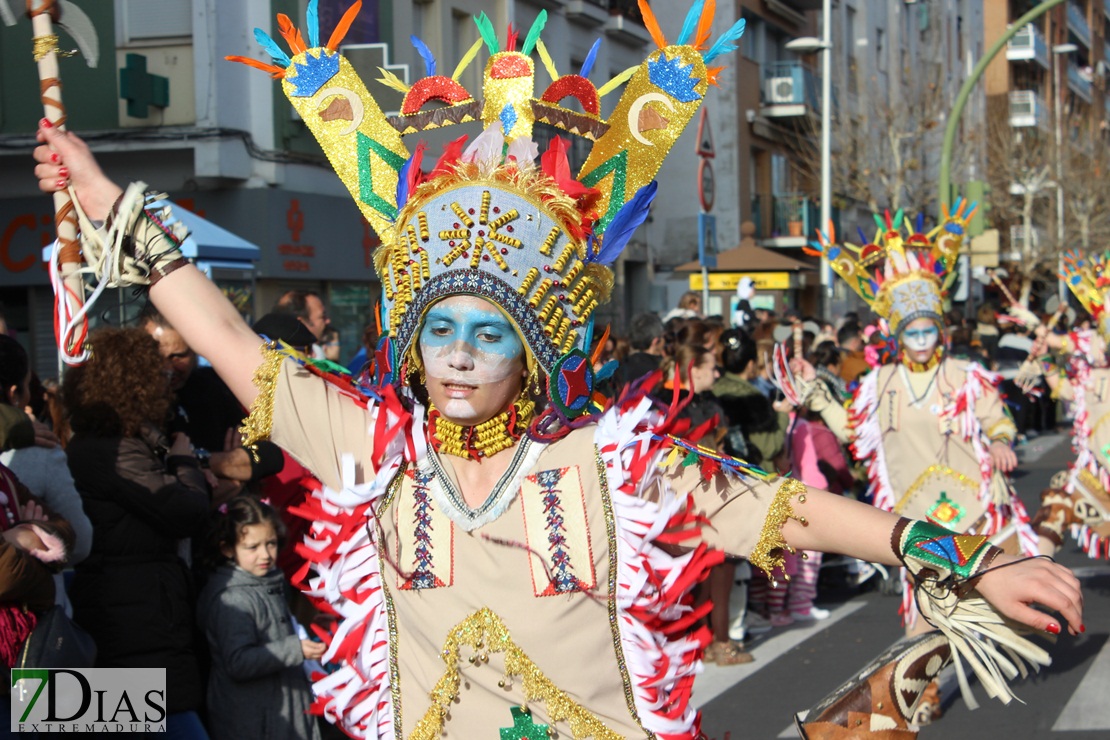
(645, 334)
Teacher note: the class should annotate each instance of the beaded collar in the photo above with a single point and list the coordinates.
(920, 367)
(483, 440)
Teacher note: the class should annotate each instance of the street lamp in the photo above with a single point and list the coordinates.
(1057, 109)
(809, 44)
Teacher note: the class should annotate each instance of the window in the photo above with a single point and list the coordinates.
(880, 49)
(147, 22)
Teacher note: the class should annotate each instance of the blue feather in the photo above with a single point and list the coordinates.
(272, 48)
(403, 183)
(589, 340)
(588, 64)
(427, 55)
(862, 237)
(606, 370)
(725, 44)
(920, 222)
(624, 224)
(690, 23)
(312, 22)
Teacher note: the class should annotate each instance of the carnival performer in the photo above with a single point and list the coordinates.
(1077, 500)
(505, 552)
(942, 419)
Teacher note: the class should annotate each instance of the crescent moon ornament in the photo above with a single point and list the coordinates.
(634, 113)
(353, 100)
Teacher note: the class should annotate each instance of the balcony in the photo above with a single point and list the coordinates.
(1077, 24)
(626, 24)
(794, 218)
(789, 89)
(1022, 245)
(589, 12)
(1029, 44)
(1079, 81)
(1027, 109)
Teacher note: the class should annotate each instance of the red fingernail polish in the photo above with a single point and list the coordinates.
(1082, 628)
(46, 123)
(54, 157)
(62, 184)
(63, 172)
(1052, 628)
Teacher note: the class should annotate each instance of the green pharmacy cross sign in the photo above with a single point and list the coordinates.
(523, 727)
(140, 88)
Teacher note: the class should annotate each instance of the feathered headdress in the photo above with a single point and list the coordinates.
(902, 273)
(533, 238)
(1089, 280)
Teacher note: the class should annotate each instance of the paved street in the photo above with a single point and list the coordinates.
(797, 666)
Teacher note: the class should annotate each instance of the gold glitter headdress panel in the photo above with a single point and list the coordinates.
(532, 237)
(902, 273)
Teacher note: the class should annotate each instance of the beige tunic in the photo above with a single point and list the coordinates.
(536, 579)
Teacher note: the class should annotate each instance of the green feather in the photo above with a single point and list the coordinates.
(485, 28)
(898, 219)
(534, 33)
(879, 222)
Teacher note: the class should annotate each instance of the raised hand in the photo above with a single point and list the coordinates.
(64, 160)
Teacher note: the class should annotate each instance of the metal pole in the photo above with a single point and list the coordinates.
(705, 291)
(1057, 109)
(945, 183)
(826, 149)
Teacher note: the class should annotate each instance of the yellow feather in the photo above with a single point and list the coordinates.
(468, 57)
(617, 81)
(548, 62)
(392, 81)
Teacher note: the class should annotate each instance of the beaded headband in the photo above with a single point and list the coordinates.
(902, 273)
(488, 220)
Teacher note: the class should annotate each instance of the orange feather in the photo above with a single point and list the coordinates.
(276, 71)
(343, 26)
(600, 346)
(711, 74)
(652, 25)
(705, 24)
(291, 34)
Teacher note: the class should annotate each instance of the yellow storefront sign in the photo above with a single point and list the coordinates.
(729, 280)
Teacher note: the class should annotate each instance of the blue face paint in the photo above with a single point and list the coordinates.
(487, 332)
(923, 339)
(473, 359)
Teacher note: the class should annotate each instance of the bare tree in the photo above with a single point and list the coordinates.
(1020, 169)
(1087, 195)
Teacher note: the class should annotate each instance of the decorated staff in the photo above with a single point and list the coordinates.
(70, 324)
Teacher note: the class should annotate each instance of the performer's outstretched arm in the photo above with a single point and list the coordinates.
(207, 321)
(831, 523)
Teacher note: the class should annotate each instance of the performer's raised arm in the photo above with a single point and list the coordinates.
(191, 302)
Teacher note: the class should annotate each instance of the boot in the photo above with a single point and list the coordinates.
(879, 702)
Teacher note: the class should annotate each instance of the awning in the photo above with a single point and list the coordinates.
(208, 242)
(751, 258)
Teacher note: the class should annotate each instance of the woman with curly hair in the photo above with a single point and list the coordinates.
(143, 494)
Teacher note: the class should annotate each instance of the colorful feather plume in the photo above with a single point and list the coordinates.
(343, 26)
(652, 24)
(487, 32)
(690, 23)
(727, 42)
(270, 47)
(312, 23)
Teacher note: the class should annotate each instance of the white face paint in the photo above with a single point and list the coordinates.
(473, 359)
(920, 339)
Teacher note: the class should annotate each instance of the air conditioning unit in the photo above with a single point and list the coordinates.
(780, 90)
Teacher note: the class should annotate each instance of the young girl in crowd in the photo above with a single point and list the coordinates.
(258, 687)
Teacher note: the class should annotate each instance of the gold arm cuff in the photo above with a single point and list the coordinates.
(257, 426)
(767, 553)
(1002, 430)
